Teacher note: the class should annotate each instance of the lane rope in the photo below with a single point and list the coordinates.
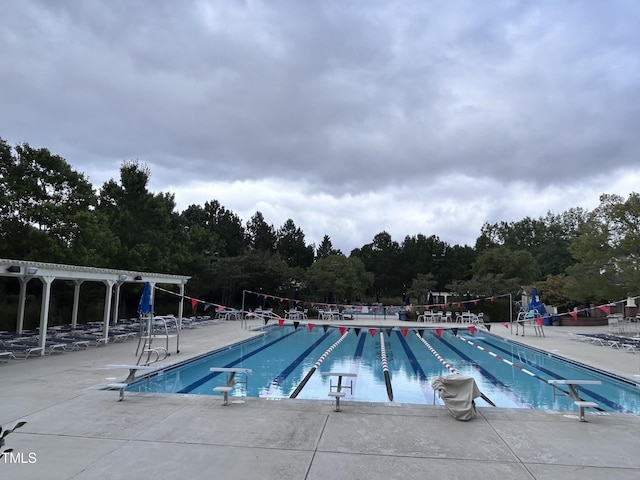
(317, 364)
(446, 364)
(385, 367)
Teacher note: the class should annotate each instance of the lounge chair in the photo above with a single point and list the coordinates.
(4, 355)
(71, 343)
(22, 351)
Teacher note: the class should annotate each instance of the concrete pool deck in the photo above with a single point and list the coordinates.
(77, 431)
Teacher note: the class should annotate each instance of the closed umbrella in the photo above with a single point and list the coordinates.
(145, 305)
(536, 304)
(145, 309)
(430, 299)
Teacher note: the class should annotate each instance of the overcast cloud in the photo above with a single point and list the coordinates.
(349, 117)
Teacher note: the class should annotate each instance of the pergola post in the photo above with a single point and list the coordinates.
(107, 308)
(44, 311)
(76, 302)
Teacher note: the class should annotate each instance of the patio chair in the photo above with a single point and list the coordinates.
(478, 319)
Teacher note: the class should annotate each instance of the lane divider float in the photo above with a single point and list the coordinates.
(446, 364)
(317, 364)
(385, 367)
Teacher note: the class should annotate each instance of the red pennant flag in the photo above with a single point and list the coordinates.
(604, 309)
(459, 304)
(539, 321)
(280, 322)
(373, 331)
(404, 332)
(220, 308)
(439, 332)
(506, 324)
(472, 329)
(281, 299)
(492, 299)
(310, 325)
(574, 315)
(194, 302)
(442, 306)
(312, 304)
(475, 302)
(426, 307)
(342, 330)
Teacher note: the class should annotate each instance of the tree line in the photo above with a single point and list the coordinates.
(49, 212)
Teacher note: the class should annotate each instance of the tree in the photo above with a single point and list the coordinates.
(607, 252)
(381, 257)
(345, 277)
(222, 223)
(326, 248)
(145, 224)
(292, 246)
(547, 239)
(552, 291)
(45, 205)
(518, 264)
(261, 236)
(254, 271)
(421, 286)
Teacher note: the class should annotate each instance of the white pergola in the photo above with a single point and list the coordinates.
(25, 271)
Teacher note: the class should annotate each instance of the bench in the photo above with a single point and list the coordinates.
(231, 380)
(339, 392)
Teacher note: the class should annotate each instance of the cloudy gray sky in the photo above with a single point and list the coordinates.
(349, 117)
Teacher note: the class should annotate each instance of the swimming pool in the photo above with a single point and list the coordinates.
(508, 373)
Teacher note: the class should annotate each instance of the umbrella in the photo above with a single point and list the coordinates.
(145, 306)
(296, 297)
(535, 303)
(145, 309)
(430, 299)
(331, 299)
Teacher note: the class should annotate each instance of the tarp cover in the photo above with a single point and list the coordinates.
(458, 392)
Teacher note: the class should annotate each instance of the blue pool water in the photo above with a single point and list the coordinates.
(282, 357)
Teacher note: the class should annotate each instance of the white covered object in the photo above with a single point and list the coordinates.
(458, 393)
